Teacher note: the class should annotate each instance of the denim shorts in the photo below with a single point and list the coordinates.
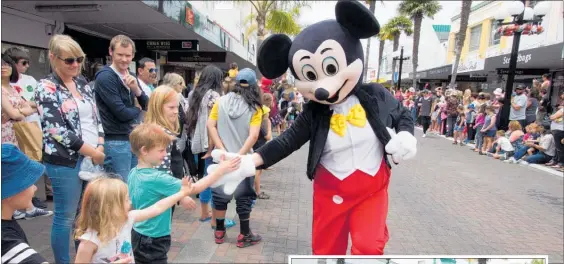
(490, 133)
(459, 128)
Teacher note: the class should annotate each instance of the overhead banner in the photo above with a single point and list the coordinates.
(197, 56)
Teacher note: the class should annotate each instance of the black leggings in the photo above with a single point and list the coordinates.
(425, 122)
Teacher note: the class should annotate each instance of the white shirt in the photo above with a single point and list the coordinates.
(505, 144)
(547, 143)
(358, 149)
(88, 128)
(111, 248)
(145, 87)
(28, 84)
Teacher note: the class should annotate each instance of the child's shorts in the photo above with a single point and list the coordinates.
(490, 133)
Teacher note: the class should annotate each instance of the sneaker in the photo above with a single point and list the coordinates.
(424, 135)
(37, 212)
(510, 160)
(18, 215)
(248, 240)
(38, 203)
(219, 236)
(523, 162)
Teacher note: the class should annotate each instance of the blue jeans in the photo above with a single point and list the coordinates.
(119, 158)
(520, 152)
(538, 158)
(479, 137)
(67, 190)
(414, 115)
(206, 195)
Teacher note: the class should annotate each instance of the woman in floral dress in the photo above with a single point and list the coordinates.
(14, 107)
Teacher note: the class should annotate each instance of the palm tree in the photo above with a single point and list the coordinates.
(273, 17)
(460, 37)
(395, 27)
(417, 10)
(372, 7)
(382, 36)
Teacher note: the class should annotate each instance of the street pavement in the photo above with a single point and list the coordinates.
(447, 201)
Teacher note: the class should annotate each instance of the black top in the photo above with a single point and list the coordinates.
(116, 104)
(382, 110)
(15, 248)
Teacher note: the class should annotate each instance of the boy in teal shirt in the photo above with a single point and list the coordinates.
(147, 185)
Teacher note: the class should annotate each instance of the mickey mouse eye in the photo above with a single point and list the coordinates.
(309, 73)
(330, 66)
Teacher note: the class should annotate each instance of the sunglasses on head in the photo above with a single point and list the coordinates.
(153, 70)
(70, 61)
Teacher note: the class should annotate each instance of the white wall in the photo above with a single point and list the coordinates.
(24, 29)
(432, 53)
(231, 17)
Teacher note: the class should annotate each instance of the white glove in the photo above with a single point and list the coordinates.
(402, 146)
(231, 180)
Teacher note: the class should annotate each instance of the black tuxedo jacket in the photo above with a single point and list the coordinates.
(313, 124)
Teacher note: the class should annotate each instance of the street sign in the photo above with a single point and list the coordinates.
(184, 45)
(196, 56)
(505, 71)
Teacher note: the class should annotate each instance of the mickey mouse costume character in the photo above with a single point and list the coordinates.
(348, 123)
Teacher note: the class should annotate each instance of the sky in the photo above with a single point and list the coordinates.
(322, 10)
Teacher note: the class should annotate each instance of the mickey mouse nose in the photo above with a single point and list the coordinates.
(321, 94)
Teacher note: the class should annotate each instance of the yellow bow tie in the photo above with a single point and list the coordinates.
(356, 117)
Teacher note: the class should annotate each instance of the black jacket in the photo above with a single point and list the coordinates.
(116, 104)
(382, 110)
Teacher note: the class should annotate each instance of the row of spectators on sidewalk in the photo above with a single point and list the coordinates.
(535, 130)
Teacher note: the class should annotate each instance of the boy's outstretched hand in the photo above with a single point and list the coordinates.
(188, 203)
(187, 187)
(226, 166)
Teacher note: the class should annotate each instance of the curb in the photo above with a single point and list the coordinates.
(536, 166)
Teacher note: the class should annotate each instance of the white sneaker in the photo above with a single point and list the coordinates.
(510, 160)
(523, 162)
(424, 135)
(18, 215)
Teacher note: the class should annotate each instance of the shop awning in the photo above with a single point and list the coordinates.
(135, 19)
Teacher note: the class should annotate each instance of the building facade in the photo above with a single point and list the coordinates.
(483, 43)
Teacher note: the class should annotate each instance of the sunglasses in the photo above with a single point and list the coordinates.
(153, 70)
(70, 61)
(25, 63)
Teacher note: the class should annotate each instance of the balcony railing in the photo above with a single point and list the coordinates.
(183, 13)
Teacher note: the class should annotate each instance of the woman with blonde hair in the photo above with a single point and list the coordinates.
(73, 134)
(466, 97)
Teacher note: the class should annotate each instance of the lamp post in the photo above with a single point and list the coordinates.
(401, 58)
(523, 23)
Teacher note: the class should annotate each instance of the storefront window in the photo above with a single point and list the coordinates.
(495, 37)
(38, 60)
(475, 34)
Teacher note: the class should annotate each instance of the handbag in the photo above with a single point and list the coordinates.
(30, 139)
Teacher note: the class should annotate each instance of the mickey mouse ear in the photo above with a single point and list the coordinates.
(272, 58)
(357, 19)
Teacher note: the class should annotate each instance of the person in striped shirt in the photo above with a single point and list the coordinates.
(19, 174)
